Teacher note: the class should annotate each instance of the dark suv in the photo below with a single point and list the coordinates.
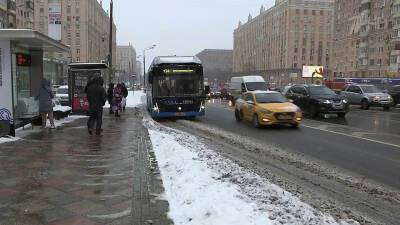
(316, 99)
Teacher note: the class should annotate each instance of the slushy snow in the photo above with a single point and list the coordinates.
(27, 130)
(205, 188)
(134, 99)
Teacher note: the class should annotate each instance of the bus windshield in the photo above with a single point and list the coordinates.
(178, 85)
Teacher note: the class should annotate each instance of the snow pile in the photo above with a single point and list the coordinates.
(8, 139)
(195, 197)
(203, 187)
(27, 130)
(134, 99)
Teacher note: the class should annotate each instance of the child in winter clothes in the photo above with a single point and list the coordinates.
(117, 100)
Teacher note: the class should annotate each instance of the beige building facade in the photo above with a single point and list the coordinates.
(25, 14)
(281, 40)
(367, 38)
(85, 27)
(126, 62)
(8, 14)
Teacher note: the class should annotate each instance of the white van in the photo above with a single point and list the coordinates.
(240, 85)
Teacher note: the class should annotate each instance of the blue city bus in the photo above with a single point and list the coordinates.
(176, 87)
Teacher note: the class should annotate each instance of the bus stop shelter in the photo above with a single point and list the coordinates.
(79, 74)
(21, 73)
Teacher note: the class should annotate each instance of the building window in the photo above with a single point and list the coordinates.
(78, 51)
(78, 59)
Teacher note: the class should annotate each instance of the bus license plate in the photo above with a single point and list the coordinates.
(179, 114)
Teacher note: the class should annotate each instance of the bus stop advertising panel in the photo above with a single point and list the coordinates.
(79, 75)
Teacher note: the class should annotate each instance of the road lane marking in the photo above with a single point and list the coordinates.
(348, 135)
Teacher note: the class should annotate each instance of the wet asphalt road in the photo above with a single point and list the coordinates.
(366, 143)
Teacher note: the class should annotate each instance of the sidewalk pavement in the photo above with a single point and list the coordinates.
(67, 177)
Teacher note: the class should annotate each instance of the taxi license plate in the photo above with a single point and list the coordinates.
(285, 117)
(179, 114)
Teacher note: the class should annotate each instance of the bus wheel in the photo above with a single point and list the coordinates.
(238, 116)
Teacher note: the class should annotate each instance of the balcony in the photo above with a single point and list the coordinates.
(364, 33)
(12, 6)
(362, 55)
(363, 45)
(395, 52)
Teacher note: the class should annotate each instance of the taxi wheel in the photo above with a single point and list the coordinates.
(256, 123)
(238, 115)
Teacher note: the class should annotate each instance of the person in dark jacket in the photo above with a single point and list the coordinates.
(125, 95)
(110, 94)
(97, 98)
(45, 97)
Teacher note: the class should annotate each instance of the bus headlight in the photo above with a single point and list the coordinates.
(155, 108)
(202, 107)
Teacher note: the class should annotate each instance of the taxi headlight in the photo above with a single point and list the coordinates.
(266, 111)
(344, 101)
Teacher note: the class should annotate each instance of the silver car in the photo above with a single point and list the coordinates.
(366, 95)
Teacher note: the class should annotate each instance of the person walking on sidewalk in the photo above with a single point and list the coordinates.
(125, 96)
(117, 100)
(45, 97)
(97, 98)
(110, 94)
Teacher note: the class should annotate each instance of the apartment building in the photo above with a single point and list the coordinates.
(367, 41)
(84, 25)
(281, 40)
(126, 61)
(7, 14)
(25, 14)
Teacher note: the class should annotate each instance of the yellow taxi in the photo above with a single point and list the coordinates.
(264, 108)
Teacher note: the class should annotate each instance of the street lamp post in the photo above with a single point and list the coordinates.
(110, 54)
(144, 63)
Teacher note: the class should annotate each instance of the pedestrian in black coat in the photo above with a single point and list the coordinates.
(97, 98)
(110, 94)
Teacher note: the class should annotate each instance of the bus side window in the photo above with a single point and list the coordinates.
(243, 88)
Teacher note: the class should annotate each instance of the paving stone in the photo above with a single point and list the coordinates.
(66, 176)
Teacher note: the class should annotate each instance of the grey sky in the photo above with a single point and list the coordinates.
(181, 27)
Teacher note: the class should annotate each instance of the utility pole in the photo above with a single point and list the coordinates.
(110, 54)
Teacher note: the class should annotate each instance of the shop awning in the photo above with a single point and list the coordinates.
(32, 40)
